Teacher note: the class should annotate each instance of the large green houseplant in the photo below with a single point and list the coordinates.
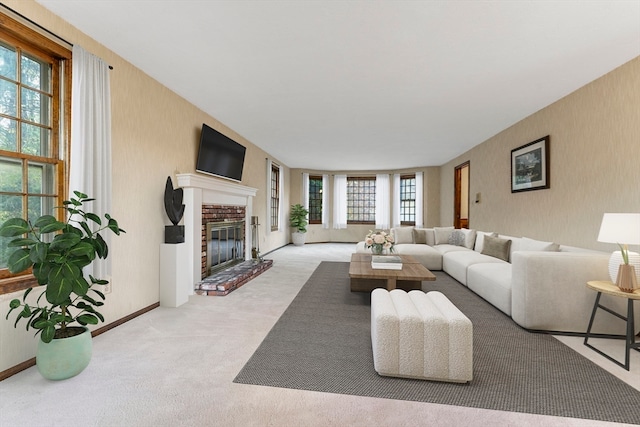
(298, 221)
(57, 252)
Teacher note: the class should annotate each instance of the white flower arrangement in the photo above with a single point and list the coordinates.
(379, 240)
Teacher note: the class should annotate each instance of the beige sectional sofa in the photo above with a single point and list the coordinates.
(540, 285)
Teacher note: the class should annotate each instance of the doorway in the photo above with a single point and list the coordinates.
(461, 197)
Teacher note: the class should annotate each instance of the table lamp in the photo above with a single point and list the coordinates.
(624, 266)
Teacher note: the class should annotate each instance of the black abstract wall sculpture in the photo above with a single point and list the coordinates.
(175, 209)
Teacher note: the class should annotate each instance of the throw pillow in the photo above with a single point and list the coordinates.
(457, 238)
(496, 247)
(442, 234)
(420, 236)
(402, 235)
(469, 238)
(480, 235)
(537, 245)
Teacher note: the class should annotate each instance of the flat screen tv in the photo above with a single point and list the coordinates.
(219, 155)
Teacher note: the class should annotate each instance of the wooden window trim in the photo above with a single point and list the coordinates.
(37, 44)
(316, 221)
(406, 176)
(361, 178)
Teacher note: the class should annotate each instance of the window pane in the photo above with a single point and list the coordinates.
(41, 178)
(35, 106)
(10, 175)
(315, 200)
(38, 206)
(8, 96)
(35, 73)
(10, 207)
(36, 140)
(361, 200)
(8, 135)
(8, 62)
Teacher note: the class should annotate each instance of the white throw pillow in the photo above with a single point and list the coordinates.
(402, 235)
(480, 239)
(469, 238)
(537, 245)
(442, 234)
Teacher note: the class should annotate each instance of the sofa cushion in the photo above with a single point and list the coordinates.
(537, 245)
(402, 235)
(496, 247)
(424, 254)
(455, 263)
(480, 235)
(492, 281)
(457, 238)
(442, 234)
(469, 238)
(424, 236)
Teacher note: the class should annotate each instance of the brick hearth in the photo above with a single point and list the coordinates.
(230, 279)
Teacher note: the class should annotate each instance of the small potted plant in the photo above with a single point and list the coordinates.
(57, 252)
(298, 221)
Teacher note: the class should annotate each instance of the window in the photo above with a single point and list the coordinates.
(408, 200)
(315, 200)
(33, 121)
(361, 200)
(275, 196)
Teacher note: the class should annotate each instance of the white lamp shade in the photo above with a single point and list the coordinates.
(622, 228)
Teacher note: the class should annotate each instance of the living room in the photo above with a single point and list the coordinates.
(594, 152)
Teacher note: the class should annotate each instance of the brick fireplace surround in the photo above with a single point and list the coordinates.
(227, 199)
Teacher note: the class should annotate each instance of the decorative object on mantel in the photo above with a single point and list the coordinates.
(58, 252)
(379, 241)
(298, 221)
(175, 209)
(530, 166)
(624, 266)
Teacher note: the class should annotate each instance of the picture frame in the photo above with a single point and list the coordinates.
(530, 166)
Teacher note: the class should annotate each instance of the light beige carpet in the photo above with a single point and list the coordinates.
(175, 367)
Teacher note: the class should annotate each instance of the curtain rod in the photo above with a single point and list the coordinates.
(30, 23)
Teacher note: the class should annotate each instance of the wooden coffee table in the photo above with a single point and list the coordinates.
(365, 279)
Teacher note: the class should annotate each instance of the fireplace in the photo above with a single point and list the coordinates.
(200, 193)
(224, 245)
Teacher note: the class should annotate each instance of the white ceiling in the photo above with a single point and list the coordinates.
(352, 85)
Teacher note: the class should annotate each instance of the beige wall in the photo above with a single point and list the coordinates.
(595, 166)
(155, 134)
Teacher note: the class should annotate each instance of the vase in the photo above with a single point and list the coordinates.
(64, 358)
(377, 249)
(626, 279)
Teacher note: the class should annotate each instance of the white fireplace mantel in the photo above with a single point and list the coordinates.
(199, 190)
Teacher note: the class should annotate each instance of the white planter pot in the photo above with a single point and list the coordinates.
(298, 238)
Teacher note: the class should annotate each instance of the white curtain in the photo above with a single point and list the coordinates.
(90, 170)
(340, 201)
(305, 190)
(395, 218)
(383, 197)
(325, 201)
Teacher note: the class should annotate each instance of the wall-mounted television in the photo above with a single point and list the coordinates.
(219, 155)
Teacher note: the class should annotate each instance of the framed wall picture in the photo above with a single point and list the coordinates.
(530, 166)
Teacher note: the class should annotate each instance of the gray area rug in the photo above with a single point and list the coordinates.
(322, 342)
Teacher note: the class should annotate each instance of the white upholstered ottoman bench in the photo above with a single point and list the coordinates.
(418, 335)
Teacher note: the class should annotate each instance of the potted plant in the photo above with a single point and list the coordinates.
(57, 252)
(298, 221)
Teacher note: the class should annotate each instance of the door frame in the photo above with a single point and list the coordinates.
(457, 191)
